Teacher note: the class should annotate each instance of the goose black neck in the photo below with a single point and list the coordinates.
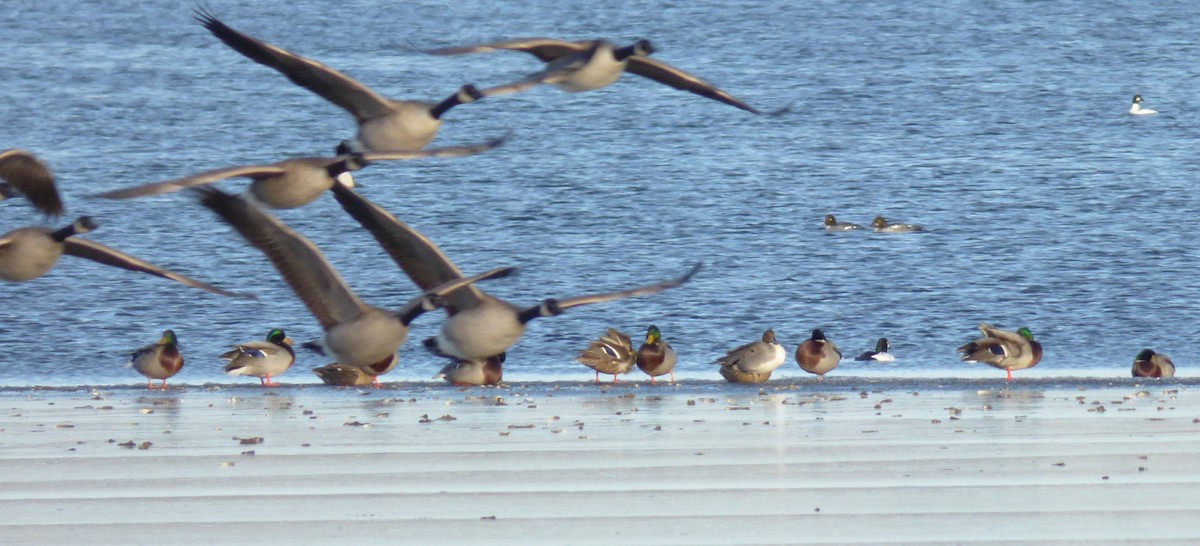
(61, 234)
(622, 53)
(442, 107)
(406, 317)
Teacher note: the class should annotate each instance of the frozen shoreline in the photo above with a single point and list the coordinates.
(572, 463)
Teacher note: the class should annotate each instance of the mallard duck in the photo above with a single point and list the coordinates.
(22, 173)
(262, 359)
(880, 354)
(612, 353)
(881, 225)
(467, 373)
(356, 333)
(480, 325)
(297, 182)
(593, 64)
(655, 356)
(339, 375)
(29, 253)
(383, 123)
(818, 355)
(832, 224)
(757, 357)
(1151, 364)
(1002, 349)
(159, 360)
(733, 375)
(1137, 110)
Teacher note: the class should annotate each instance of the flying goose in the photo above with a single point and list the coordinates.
(655, 356)
(29, 253)
(262, 359)
(383, 123)
(159, 360)
(757, 357)
(1151, 364)
(818, 355)
(1003, 349)
(295, 182)
(22, 173)
(356, 334)
(612, 354)
(480, 325)
(1137, 110)
(592, 64)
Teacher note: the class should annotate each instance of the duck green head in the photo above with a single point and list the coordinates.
(653, 335)
(1025, 333)
(276, 335)
(1146, 354)
(882, 345)
(168, 338)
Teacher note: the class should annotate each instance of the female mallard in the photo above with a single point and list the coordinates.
(592, 64)
(881, 225)
(612, 353)
(339, 375)
(880, 354)
(22, 173)
(262, 359)
(832, 224)
(356, 333)
(1151, 364)
(383, 123)
(1002, 349)
(160, 360)
(757, 357)
(817, 355)
(467, 373)
(480, 324)
(29, 253)
(734, 375)
(655, 356)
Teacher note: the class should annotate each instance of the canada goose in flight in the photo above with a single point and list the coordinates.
(29, 253)
(295, 182)
(383, 123)
(480, 325)
(356, 334)
(22, 173)
(592, 64)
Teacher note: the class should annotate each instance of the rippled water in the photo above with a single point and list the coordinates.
(1001, 127)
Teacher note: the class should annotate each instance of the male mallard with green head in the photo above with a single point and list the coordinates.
(655, 356)
(1003, 349)
(160, 360)
(262, 359)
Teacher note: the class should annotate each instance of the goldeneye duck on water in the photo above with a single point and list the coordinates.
(831, 224)
(880, 354)
(881, 225)
(1137, 109)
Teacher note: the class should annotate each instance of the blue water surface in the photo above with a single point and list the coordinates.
(1000, 126)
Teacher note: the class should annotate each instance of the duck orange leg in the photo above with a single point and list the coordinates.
(597, 377)
(269, 383)
(1009, 370)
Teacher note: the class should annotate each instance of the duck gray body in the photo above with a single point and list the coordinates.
(465, 373)
(757, 357)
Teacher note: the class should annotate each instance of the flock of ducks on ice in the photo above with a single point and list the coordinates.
(480, 328)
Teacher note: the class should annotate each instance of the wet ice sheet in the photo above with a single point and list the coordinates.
(576, 464)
